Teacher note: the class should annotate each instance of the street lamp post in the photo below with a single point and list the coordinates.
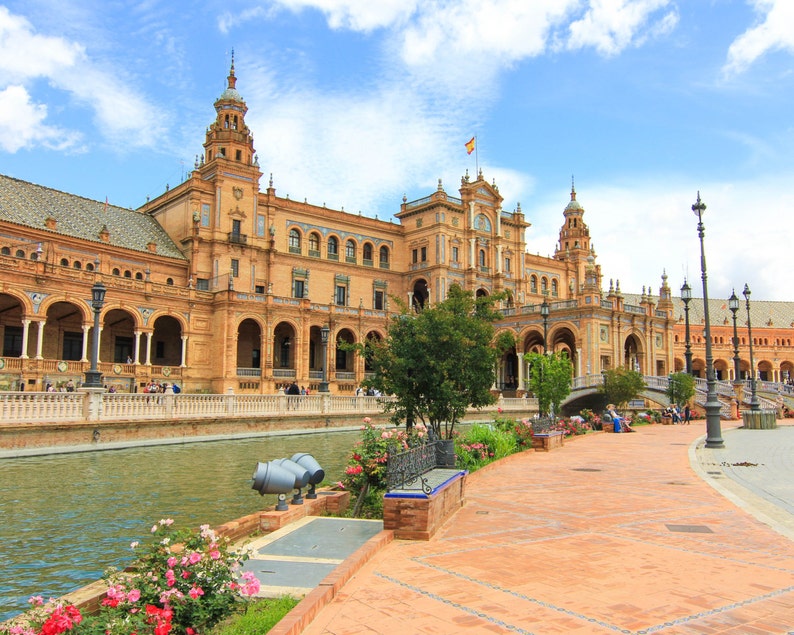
(733, 305)
(713, 427)
(686, 296)
(754, 405)
(93, 378)
(544, 312)
(324, 331)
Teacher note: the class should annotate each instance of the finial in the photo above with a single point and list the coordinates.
(573, 190)
(440, 187)
(232, 79)
(479, 176)
(405, 199)
(271, 180)
(196, 163)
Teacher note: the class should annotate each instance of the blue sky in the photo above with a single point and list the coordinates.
(355, 103)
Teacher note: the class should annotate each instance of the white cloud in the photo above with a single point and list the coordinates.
(657, 231)
(22, 124)
(772, 33)
(25, 54)
(122, 115)
(610, 26)
(357, 15)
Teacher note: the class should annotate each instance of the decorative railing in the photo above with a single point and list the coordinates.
(413, 464)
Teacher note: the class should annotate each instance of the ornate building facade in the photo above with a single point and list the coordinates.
(221, 284)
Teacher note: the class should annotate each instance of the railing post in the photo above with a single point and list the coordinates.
(92, 403)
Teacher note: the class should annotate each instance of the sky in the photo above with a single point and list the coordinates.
(358, 103)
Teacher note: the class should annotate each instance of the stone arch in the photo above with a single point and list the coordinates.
(372, 336)
(117, 340)
(765, 370)
(722, 369)
(167, 340)
(562, 339)
(633, 353)
(420, 294)
(284, 349)
(249, 346)
(344, 360)
(63, 332)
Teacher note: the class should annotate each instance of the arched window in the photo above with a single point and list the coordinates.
(64, 262)
(554, 288)
(20, 253)
(367, 252)
(138, 275)
(77, 264)
(533, 284)
(89, 266)
(314, 244)
(383, 254)
(294, 241)
(482, 257)
(116, 271)
(169, 281)
(128, 274)
(350, 251)
(544, 285)
(333, 247)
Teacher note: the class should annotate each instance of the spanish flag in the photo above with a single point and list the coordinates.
(470, 145)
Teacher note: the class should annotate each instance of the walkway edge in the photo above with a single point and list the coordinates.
(308, 608)
(762, 510)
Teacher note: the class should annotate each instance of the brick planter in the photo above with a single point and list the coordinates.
(418, 517)
(548, 441)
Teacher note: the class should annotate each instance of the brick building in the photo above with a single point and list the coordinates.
(219, 283)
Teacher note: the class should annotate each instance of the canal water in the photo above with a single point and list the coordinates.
(65, 518)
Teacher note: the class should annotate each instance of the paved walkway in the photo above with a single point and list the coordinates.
(630, 533)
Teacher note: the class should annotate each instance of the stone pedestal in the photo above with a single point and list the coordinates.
(759, 419)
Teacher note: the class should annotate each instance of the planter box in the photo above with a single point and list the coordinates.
(548, 440)
(759, 419)
(419, 516)
(608, 426)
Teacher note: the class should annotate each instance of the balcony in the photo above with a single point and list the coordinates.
(237, 238)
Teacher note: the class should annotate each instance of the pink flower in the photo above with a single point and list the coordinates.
(215, 554)
(367, 420)
(36, 600)
(195, 557)
(171, 562)
(134, 595)
(196, 592)
(250, 584)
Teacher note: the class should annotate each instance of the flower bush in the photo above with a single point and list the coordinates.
(572, 426)
(182, 582)
(482, 444)
(367, 461)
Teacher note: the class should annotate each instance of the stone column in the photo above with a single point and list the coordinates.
(25, 334)
(40, 339)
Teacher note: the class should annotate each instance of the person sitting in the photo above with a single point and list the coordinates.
(620, 423)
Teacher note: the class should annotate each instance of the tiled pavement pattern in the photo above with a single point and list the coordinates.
(610, 534)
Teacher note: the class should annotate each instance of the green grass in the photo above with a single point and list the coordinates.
(258, 617)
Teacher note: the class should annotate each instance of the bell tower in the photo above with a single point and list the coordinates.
(228, 138)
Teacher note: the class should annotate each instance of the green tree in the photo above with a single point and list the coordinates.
(621, 385)
(439, 361)
(681, 388)
(549, 379)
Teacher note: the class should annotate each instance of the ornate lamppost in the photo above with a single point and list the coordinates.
(93, 378)
(686, 296)
(754, 405)
(733, 305)
(544, 312)
(713, 427)
(324, 332)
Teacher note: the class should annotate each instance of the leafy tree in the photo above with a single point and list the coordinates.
(681, 388)
(440, 361)
(621, 385)
(549, 379)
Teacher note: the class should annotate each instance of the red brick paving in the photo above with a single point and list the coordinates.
(576, 541)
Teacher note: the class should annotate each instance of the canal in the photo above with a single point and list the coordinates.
(65, 518)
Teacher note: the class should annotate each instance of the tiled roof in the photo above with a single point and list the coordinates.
(763, 313)
(30, 205)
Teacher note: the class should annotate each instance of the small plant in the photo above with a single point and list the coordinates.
(366, 467)
(482, 444)
(572, 426)
(183, 581)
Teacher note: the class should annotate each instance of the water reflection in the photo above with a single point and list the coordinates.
(65, 518)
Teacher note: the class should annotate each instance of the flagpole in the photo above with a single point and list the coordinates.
(476, 158)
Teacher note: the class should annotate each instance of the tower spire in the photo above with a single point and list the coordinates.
(232, 78)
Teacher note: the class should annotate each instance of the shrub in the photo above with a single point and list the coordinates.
(482, 444)
(183, 581)
(572, 426)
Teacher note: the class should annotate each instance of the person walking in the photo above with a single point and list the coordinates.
(687, 414)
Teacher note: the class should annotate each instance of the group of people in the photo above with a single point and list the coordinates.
(156, 387)
(294, 389)
(683, 417)
(369, 392)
